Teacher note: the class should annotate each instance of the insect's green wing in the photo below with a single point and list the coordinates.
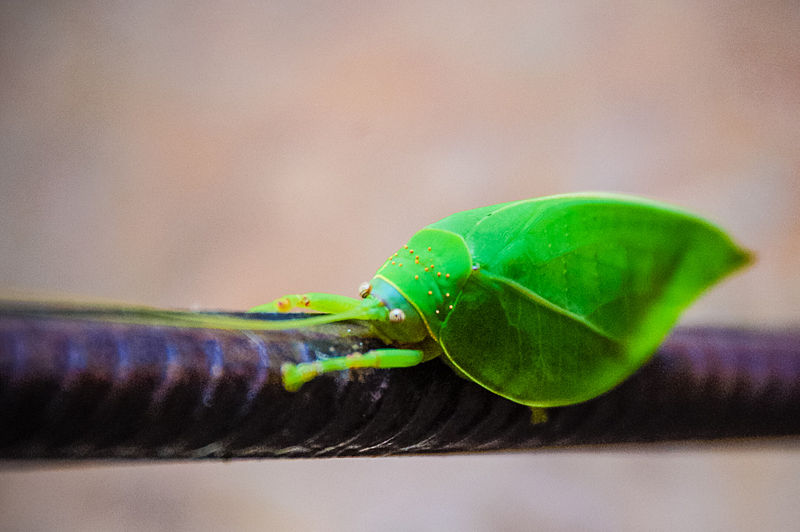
(526, 350)
(575, 292)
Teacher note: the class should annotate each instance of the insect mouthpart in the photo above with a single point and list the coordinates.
(364, 289)
(396, 315)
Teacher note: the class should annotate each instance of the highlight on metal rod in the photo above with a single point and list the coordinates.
(74, 387)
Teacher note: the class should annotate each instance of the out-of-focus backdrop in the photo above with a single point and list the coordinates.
(201, 155)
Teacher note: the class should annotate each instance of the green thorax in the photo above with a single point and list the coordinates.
(429, 272)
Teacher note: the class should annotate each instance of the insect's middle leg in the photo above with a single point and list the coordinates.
(318, 301)
(295, 375)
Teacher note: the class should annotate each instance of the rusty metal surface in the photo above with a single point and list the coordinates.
(77, 388)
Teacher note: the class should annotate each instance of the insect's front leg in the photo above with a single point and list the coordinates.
(295, 375)
(317, 301)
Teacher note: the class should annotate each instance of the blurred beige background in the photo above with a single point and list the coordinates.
(201, 155)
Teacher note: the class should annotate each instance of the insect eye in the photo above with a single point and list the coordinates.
(396, 315)
(364, 289)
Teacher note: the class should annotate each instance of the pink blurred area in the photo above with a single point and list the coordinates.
(195, 155)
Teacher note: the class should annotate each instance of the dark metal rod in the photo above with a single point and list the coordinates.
(78, 388)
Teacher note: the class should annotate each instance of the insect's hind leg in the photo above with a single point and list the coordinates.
(295, 375)
(318, 301)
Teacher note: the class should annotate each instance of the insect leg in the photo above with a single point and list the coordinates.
(295, 375)
(538, 415)
(318, 301)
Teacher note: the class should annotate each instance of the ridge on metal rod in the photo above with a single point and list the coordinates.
(78, 388)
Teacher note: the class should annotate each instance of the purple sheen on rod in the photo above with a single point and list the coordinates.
(79, 388)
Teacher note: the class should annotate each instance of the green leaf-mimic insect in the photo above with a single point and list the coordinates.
(546, 302)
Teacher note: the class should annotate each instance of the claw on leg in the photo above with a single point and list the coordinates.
(538, 415)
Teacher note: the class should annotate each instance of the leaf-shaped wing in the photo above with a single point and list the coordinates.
(527, 350)
(615, 268)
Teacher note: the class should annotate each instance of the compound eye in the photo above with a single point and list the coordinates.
(396, 315)
(364, 289)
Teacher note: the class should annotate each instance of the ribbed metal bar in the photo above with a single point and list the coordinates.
(76, 388)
